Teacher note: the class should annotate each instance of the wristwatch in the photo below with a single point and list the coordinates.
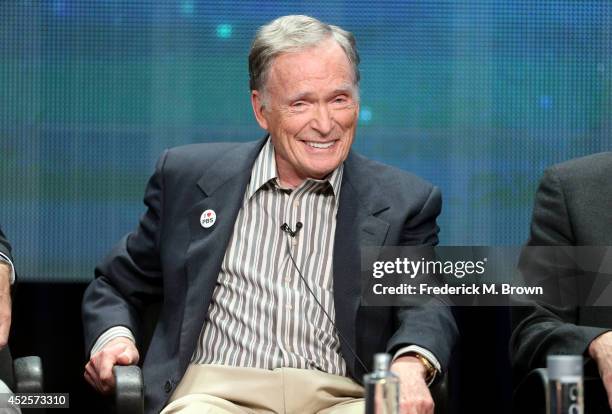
(430, 370)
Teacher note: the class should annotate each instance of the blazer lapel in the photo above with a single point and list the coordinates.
(357, 226)
(221, 189)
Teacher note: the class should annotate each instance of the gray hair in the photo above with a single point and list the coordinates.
(292, 34)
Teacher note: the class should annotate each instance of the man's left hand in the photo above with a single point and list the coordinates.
(5, 303)
(415, 397)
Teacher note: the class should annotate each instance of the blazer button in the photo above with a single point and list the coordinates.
(168, 386)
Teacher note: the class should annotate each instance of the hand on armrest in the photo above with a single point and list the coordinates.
(414, 393)
(99, 369)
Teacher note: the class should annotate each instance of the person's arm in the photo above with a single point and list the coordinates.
(5, 256)
(544, 328)
(126, 282)
(425, 336)
(5, 302)
(7, 278)
(5, 247)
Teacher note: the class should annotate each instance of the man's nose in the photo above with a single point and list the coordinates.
(323, 120)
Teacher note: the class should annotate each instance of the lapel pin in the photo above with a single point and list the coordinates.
(208, 218)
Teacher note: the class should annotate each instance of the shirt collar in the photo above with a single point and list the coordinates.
(264, 171)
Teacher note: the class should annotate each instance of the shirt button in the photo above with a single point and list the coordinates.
(294, 242)
(168, 386)
(296, 204)
(289, 307)
(287, 279)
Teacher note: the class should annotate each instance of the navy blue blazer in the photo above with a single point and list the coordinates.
(170, 258)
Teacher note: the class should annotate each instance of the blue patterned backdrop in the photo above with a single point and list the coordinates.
(476, 96)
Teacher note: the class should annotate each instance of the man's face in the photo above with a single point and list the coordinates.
(311, 110)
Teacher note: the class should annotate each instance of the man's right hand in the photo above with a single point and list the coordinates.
(99, 369)
(600, 350)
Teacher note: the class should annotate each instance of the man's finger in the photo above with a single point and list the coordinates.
(102, 364)
(91, 372)
(90, 380)
(91, 375)
(127, 357)
(605, 372)
(105, 373)
(607, 381)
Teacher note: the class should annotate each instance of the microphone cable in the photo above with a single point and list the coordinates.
(285, 228)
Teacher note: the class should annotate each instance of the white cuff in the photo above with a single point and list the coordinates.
(109, 335)
(4, 258)
(423, 352)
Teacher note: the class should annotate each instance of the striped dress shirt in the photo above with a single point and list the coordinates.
(262, 314)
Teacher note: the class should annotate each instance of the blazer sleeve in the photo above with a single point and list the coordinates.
(130, 277)
(543, 328)
(430, 327)
(5, 247)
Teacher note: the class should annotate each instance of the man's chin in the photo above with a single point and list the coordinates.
(320, 172)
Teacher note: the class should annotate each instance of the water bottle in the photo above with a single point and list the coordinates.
(565, 384)
(381, 388)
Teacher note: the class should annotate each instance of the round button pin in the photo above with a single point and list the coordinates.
(208, 218)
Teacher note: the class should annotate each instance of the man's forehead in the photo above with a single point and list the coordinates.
(325, 62)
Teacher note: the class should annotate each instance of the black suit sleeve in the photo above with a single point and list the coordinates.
(130, 277)
(431, 327)
(5, 247)
(544, 329)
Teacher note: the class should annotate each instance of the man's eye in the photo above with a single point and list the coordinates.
(340, 99)
(299, 104)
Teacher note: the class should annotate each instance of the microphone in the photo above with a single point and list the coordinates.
(285, 227)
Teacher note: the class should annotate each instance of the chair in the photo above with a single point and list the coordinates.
(22, 375)
(439, 393)
(532, 394)
(129, 396)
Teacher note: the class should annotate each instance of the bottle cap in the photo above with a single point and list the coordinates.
(559, 366)
(381, 362)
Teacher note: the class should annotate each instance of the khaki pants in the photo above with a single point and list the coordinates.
(219, 389)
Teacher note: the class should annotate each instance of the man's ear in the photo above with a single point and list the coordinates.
(258, 109)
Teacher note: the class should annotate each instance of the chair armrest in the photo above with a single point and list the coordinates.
(539, 377)
(439, 393)
(129, 396)
(532, 395)
(28, 374)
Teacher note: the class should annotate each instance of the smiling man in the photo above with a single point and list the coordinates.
(253, 251)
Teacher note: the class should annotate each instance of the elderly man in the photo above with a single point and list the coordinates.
(254, 251)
